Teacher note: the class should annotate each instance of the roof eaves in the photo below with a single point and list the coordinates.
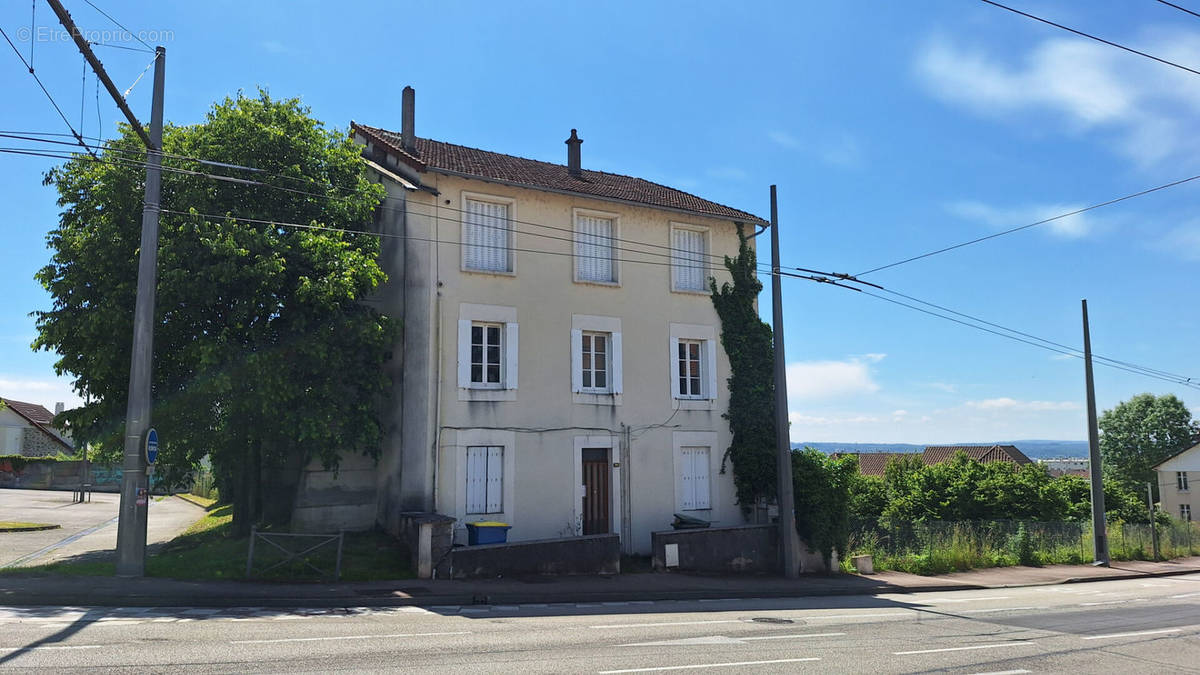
(588, 195)
(38, 425)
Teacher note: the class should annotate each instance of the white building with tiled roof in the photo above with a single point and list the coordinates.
(28, 429)
(560, 368)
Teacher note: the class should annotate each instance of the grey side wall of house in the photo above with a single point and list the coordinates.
(328, 501)
(592, 554)
(750, 549)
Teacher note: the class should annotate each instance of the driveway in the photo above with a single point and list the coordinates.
(87, 529)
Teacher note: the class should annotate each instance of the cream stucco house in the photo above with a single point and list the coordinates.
(1179, 484)
(560, 367)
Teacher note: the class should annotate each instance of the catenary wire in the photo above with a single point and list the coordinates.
(1091, 37)
(1035, 224)
(45, 91)
(119, 25)
(1182, 9)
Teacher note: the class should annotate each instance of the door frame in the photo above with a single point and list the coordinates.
(612, 444)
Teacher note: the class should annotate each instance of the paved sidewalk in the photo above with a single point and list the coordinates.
(109, 591)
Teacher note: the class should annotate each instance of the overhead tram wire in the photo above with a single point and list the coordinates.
(1051, 219)
(29, 67)
(762, 267)
(121, 26)
(1182, 9)
(1089, 36)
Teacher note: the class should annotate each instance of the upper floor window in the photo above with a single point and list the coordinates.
(486, 359)
(595, 258)
(1181, 480)
(693, 359)
(596, 359)
(487, 352)
(487, 235)
(689, 259)
(690, 355)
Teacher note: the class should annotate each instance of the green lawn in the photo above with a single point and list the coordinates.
(207, 551)
(17, 526)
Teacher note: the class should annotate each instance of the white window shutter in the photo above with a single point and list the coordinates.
(710, 353)
(688, 498)
(700, 472)
(464, 353)
(495, 479)
(477, 479)
(674, 361)
(510, 356)
(576, 361)
(614, 363)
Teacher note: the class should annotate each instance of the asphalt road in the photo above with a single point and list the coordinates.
(1150, 625)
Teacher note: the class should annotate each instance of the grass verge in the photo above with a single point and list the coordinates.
(15, 526)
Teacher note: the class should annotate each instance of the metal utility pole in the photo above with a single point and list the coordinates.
(135, 492)
(1099, 527)
(1153, 526)
(787, 501)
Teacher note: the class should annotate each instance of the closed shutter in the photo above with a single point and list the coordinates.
(700, 471)
(495, 479)
(593, 248)
(510, 355)
(464, 353)
(615, 363)
(710, 364)
(486, 236)
(477, 479)
(576, 361)
(689, 255)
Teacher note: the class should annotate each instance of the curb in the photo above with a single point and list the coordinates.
(32, 527)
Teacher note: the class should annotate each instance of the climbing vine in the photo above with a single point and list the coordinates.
(747, 342)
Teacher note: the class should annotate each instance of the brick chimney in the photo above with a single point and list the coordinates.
(408, 133)
(573, 144)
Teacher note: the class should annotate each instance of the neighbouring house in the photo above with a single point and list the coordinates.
(560, 367)
(874, 463)
(1067, 466)
(28, 429)
(1175, 477)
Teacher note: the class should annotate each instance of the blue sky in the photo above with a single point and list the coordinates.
(890, 128)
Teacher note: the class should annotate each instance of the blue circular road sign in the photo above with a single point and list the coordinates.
(151, 446)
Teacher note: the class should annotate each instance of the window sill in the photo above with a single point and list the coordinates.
(489, 273)
(602, 284)
(691, 291)
(695, 403)
(595, 398)
(487, 394)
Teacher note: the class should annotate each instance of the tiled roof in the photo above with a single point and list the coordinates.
(874, 463)
(936, 454)
(37, 415)
(459, 159)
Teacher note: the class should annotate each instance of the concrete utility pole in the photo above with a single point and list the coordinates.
(1099, 527)
(787, 501)
(135, 487)
(1153, 526)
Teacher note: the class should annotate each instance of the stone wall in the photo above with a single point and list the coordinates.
(35, 443)
(749, 549)
(592, 554)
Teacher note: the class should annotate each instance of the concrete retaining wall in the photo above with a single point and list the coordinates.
(593, 554)
(748, 549)
(328, 501)
(59, 475)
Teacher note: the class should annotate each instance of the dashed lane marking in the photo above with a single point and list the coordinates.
(665, 623)
(345, 637)
(706, 665)
(1133, 634)
(1024, 643)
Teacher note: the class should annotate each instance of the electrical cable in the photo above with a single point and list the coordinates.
(45, 91)
(1182, 9)
(119, 25)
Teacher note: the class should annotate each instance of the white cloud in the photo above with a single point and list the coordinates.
(1182, 241)
(731, 173)
(1071, 227)
(802, 420)
(44, 392)
(784, 139)
(1012, 404)
(1143, 110)
(825, 380)
(841, 150)
(943, 386)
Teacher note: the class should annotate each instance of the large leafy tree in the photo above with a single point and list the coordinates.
(1141, 432)
(265, 355)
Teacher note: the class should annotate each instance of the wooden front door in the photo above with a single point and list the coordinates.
(596, 485)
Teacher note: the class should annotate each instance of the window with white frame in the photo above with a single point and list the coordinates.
(595, 351)
(1185, 512)
(1181, 480)
(487, 232)
(688, 259)
(595, 258)
(690, 357)
(695, 479)
(487, 352)
(485, 479)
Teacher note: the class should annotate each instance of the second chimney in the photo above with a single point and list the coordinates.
(573, 144)
(408, 127)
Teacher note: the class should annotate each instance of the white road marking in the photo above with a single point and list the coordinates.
(787, 637)
(962, 649)
(1005, 672)
(706, 665)
(856, 616)
(1185, 595)
(725, 640)
(998, 609)
(344, 637)
(666, 623)
(944, 600)
(21, 649)
(1143, 632)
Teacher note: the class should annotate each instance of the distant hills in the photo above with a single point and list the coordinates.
(1034, 449)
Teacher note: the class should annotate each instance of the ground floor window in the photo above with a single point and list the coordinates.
(696, 487)
(1185, 512)
(485, 479)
